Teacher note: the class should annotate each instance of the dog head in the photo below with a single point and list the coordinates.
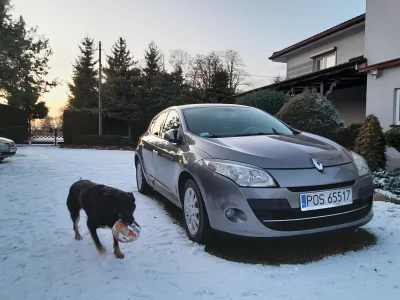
(124, 206)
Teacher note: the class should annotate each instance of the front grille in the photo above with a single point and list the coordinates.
(293, 219)
(314, 188)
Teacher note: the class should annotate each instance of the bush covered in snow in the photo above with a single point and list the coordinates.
(393, 138)
(371, 143)
(312, 113)
(269, 101)
(388, 180)
(346, 136)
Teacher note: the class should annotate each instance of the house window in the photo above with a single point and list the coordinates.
(325, 61)
(397, 107)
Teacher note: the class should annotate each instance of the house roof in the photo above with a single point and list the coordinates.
(345, 71)
(330, 31)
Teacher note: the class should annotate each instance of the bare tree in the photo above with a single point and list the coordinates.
(234, 66)
(47, 122)
(203, 68)
(58, 120)
(277, 78)
(180, 59)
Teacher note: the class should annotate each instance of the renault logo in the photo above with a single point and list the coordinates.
(318, 165)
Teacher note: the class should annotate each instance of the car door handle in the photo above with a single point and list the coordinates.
(155, 152)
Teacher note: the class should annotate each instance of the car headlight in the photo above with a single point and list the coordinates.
(3, 145)
(243, 176)
(361, 164)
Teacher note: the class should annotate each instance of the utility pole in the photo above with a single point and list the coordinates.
(100, 116)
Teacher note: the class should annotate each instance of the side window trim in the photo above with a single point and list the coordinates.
(162, 124)
(179, 118)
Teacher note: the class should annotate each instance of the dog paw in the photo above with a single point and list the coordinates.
(101, 250)
(119, 255)
(78, 237)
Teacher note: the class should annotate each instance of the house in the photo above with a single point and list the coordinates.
(355, 64)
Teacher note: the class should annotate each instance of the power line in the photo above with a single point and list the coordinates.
(263, 76)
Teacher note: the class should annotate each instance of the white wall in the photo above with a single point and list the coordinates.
(381, 95)
(349, 44)
(382, 43)
(350, 103)
(382, 30)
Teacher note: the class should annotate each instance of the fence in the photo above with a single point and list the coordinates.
(46, 136)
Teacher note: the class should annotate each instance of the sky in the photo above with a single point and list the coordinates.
(254, 28)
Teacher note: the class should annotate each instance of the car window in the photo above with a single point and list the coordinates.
(158, 123)
(152, 124)
(172, 122)
(220, 121)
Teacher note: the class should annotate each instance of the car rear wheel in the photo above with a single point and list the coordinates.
(141, 183)
(195, 214)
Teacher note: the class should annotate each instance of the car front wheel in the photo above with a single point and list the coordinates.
(195, 215)
(141, 183)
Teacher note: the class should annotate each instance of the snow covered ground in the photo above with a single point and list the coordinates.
(40, 259)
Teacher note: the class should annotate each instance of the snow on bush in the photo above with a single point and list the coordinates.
(393, 138)
(371, 143)
(388, 180)
(312, 113)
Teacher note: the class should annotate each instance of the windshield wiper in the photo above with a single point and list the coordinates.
(276, 132)
(252, 134)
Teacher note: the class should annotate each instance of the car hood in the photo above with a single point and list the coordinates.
(275, 151)
(4, 140)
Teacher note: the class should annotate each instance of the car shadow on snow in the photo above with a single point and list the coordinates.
(300, 250)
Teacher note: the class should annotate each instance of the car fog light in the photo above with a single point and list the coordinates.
(229, 212)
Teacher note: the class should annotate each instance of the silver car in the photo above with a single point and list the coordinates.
(239, 170)
(7, 148)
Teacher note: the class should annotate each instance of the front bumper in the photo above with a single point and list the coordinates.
(7, 151)
(275, 212)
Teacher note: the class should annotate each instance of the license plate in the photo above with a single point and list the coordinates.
(326, 199)
(13, 150)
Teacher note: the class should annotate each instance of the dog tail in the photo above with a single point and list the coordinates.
(74, 206)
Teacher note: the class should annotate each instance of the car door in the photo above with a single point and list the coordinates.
(167, 157)
(148, 144)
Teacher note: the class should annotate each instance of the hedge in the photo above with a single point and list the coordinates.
(13, 123)
(268, 101)
(312, 113)
(393, 138)
(82, 121)
(97, 140)
(346, 136)
(371, 143)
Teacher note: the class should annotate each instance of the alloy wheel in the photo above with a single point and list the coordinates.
(191, 210)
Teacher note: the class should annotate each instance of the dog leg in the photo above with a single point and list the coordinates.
(74, 209)
(77, 233)
(117, 250)
(93, 233)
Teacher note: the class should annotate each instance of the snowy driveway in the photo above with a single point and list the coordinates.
(40, 259)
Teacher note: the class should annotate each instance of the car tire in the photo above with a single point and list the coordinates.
(1, 159)
(192, 202)
(141, 183)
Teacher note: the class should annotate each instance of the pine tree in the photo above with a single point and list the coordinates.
(24, 57)
(154, 61)
(123, 86)
(371, 143)
(84, 86)
(219, 91)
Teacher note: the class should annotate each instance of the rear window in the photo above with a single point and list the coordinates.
(232, 121)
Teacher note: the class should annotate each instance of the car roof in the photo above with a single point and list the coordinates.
(205, 105)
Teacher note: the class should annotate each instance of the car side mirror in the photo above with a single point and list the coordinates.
(172, 136)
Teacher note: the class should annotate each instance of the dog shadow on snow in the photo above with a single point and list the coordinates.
(301, 250)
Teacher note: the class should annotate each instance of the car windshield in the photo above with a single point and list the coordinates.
(218, 121)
